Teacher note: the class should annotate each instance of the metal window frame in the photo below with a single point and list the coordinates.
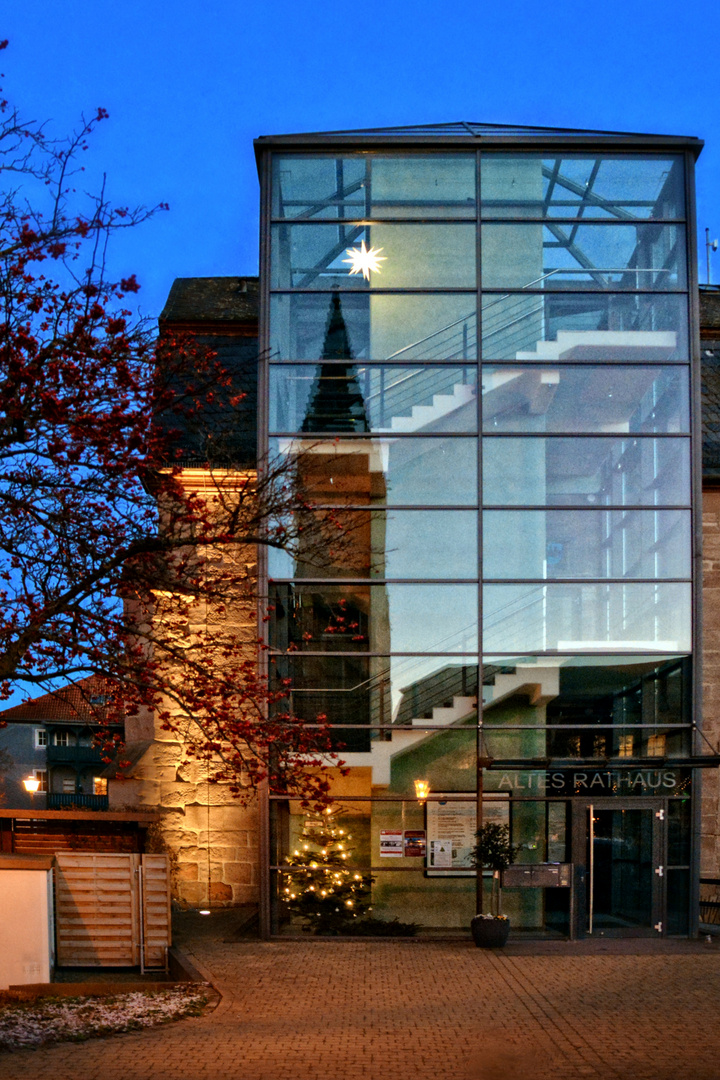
(523, 143)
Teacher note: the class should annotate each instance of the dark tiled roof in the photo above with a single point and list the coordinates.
(79, 703)
(212, 300)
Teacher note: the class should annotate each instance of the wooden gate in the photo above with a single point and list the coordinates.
(112, 910)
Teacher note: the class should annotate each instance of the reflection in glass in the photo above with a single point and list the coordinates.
(376, 472)
(379, 326)
(374, 618)
(421, 186)
(586, 544)
(310, 256)
(611, 399)
(408, 544)
(562, 327)
(623, 188)
(576, 617)
(576, 256)
(403, 691)
(393, 398)
(586, 471)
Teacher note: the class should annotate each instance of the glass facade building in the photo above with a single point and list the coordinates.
(478, 358)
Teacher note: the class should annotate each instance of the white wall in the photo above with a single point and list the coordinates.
(26, 944)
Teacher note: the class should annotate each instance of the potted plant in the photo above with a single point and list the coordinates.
(492, 851)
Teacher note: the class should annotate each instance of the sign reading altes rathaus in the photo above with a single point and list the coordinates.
(562, 782)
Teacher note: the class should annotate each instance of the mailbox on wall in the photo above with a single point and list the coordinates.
(538, 876)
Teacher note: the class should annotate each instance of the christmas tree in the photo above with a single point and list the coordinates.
(328, 894)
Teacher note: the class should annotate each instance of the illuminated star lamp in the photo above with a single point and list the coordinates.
(362, 260)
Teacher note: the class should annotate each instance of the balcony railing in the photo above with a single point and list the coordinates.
(74, 755)
(58, 800)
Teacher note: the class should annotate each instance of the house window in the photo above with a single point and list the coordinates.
(62, 738)
(41, 737)
(42, 776)
(656, 746)
(99, 785)
(68, 785)
(625, 746)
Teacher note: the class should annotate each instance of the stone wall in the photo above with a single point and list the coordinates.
(710, 849)
(211, 838)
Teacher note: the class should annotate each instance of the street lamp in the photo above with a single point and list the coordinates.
(31, 784)
(422, 790)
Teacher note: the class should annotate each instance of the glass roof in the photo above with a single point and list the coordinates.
(468, 129)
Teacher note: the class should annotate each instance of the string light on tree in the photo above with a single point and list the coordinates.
(321, 888)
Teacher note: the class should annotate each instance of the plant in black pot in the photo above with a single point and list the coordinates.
(492, 851)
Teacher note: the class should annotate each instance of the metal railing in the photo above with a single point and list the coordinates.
(61, 800)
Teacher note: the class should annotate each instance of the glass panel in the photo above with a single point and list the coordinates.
(344, 397)
(374, 618)
(586, 544)
(381, 544)
(557, 327)
(623, 877)
(679, 832)
(574, 256)
(406, 187)
(617, 187)
(423, 186)
(611, 399)
(404, 471)
(407, 691)
(585, 472)
(678, 901)
(405, 256)
(363, 326)
(318, 187)
(572, 618)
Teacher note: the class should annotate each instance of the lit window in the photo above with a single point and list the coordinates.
(625, 746)
(41, 738)
(99, 785)
(41, 775)
(656, 746)
(62, 738)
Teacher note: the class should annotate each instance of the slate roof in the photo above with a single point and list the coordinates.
(76, 704)
(212, 300)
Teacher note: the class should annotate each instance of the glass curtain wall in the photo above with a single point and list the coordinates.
(478, 368)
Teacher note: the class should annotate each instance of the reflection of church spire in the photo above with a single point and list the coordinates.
(336, 403)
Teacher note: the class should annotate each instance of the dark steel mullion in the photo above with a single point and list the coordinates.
(264, 832)
(585, 434)
(432, 582)
(696, 481)
(518, 290)
(409, 290)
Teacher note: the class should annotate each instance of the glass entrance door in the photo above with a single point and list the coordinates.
(624, 876)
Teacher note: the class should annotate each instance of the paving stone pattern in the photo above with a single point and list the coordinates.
(406, 1010)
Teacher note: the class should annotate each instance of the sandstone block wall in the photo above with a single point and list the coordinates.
(211, 839)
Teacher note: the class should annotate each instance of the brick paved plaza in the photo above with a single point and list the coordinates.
(406, 1010)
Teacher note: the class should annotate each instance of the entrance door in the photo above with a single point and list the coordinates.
(623, 874)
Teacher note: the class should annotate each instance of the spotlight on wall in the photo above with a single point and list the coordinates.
(422, 790)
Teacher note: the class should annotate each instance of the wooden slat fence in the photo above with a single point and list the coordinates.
(112, 910)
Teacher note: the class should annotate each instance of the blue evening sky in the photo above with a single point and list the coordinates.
(189, 85)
